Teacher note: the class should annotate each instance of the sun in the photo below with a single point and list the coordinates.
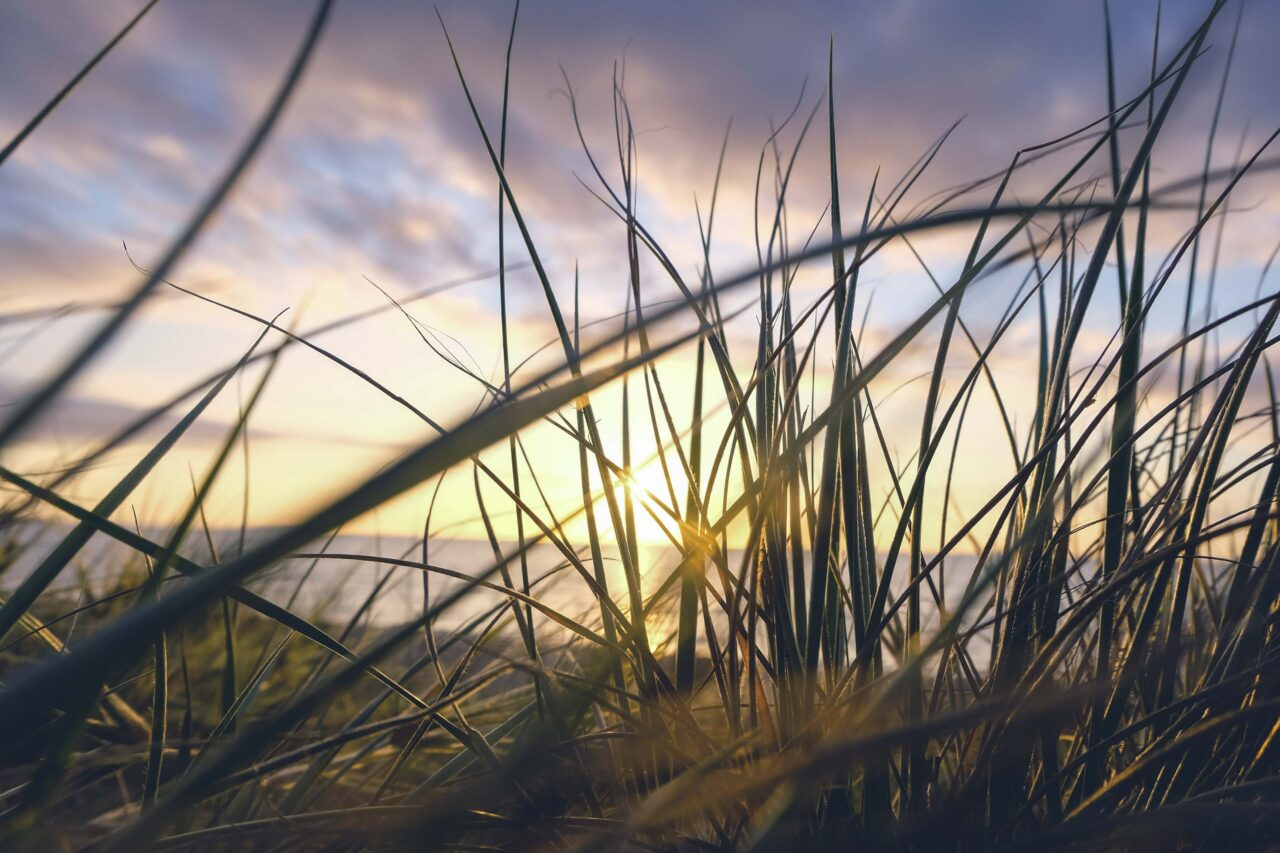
(650, 489)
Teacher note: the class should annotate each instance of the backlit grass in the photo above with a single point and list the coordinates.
(791, 623)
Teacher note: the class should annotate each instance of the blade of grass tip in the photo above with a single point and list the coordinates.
(35, 404)
(1193, 264)
(57, 99)
(464, 760)
(502, 310)
(837, 232)
(1114, 147)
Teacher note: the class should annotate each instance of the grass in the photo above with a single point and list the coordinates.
(817, 667)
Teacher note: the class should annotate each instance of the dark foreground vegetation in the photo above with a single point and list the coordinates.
(807, 674)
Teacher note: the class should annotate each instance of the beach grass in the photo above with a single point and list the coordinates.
(837, 656)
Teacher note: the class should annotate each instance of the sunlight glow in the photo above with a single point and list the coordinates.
(651, 496)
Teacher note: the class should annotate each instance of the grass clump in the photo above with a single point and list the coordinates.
(843, 642)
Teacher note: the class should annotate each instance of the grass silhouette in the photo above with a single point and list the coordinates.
(802, 675)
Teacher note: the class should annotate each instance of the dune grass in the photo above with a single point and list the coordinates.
(813, 669)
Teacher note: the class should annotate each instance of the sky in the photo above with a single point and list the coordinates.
(377, 180)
